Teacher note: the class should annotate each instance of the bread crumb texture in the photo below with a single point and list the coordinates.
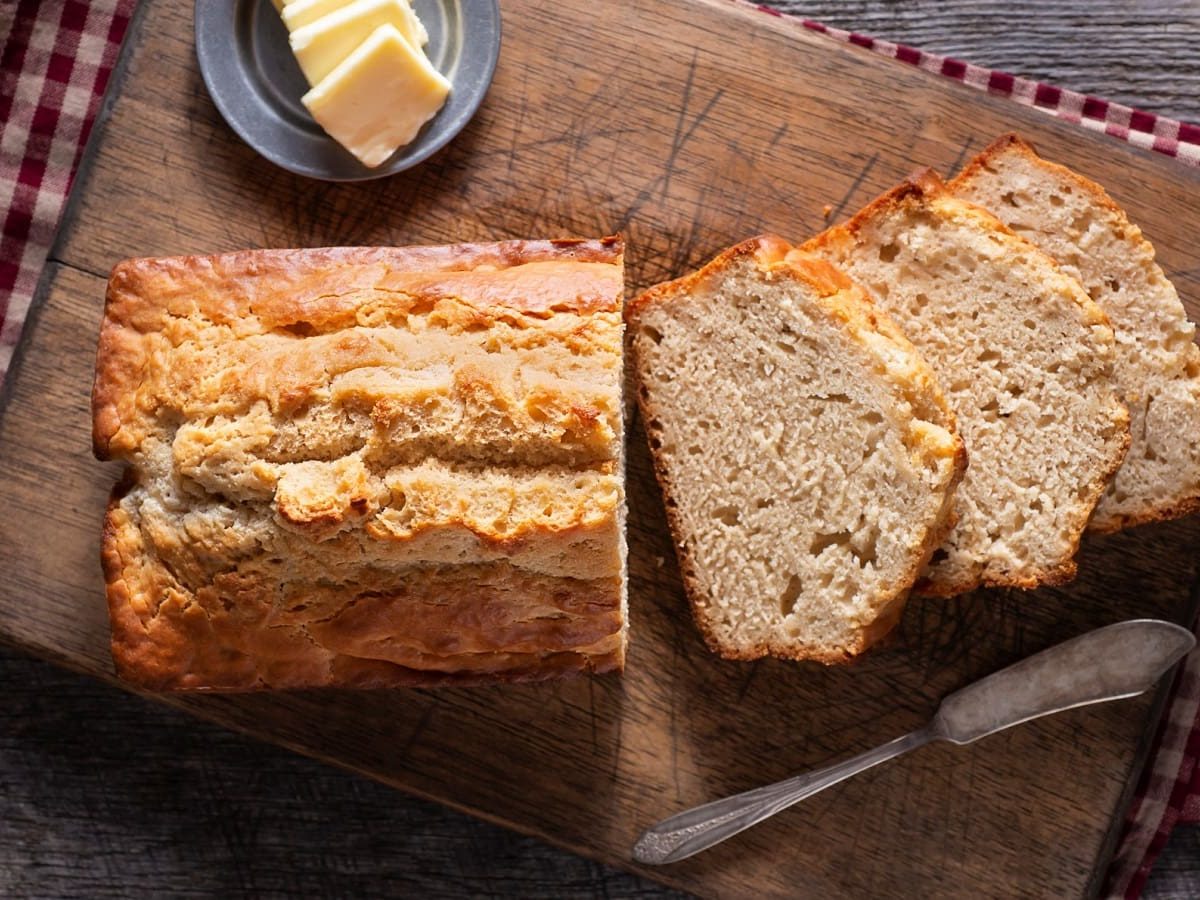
(365, 467)
(807, 456)
(1157, 363)
(1026, 360)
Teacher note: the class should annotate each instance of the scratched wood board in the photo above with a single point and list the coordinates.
(686, 125)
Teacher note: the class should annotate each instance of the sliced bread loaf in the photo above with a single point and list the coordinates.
(1026, 361)
(804, 448)
(1157, 365)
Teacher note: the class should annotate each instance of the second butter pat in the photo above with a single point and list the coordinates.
(378, 98)
(298, 13)
(321, 45)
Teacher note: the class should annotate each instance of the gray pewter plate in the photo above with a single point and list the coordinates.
(255, 82)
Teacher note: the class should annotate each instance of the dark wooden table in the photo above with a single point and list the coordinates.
(103, 794)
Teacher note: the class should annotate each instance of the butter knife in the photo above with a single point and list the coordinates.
(1110, 663)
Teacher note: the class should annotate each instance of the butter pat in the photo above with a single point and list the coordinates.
(376, 100)
(298, 13)
(323, 44)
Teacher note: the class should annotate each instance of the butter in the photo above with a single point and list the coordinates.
(376, 100)
(322, 45)
(298, 13)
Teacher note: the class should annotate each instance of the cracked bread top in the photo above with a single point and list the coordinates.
(328, 446)
(215, 334)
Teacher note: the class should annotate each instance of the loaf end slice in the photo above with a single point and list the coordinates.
(1157, 363)
(1025, 358)
(804, 449)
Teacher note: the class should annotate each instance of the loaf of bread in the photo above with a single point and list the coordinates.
(805, 451)
(1025, 358)
(1157, 365)
(364, 467)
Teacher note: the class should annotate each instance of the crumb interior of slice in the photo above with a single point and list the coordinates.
(1025, 372)
(801, 505)
(1157, 365)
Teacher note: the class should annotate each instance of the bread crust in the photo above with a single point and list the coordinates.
(1012, 143)
(924, 186)
(301, 291)
(846, 302)
(190, 645)
(310, 570)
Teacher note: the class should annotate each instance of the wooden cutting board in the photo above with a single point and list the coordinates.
(686, 125)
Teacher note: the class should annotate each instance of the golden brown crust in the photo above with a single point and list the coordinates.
(1044, 577)
(309, 292)
(767, 248)
(1014, 143)
(276, 531)
(1178, 510)
(921, 186)
(846, 302)
(193, 642)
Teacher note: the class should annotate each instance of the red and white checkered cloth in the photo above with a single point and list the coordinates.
(56, 60)
(55, 64)
(1142, 129)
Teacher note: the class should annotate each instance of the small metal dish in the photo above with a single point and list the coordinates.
(255, 82)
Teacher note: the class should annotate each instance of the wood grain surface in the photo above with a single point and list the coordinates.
(664, 149)
(1141, 53)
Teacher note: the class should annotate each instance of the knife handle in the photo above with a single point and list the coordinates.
(699, 828)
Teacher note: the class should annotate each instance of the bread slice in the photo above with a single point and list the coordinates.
(365, 467)
(1025, 358)
(804, 448)
(1157, 365)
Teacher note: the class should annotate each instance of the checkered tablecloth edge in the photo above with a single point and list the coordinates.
(1180, 140)
(55, 64)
